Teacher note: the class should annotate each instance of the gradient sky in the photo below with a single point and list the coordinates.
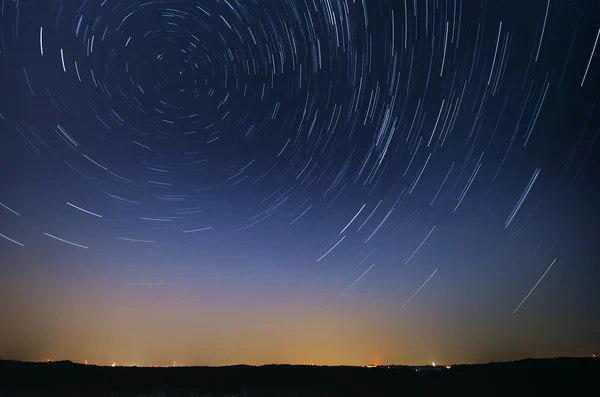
(295, 181)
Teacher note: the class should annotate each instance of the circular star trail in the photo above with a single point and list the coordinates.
(418, 150)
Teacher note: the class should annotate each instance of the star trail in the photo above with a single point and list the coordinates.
(226, 181)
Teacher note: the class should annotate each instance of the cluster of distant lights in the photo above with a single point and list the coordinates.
(115, 364)
(134, 365)
(387, 366)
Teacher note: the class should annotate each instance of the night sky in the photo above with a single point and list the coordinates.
(217, 182)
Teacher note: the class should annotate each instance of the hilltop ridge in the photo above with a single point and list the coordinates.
(572, 375)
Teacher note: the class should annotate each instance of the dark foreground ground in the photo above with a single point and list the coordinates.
(560, 376)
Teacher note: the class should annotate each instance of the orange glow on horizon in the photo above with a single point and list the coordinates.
(375, 359)
(290, 339)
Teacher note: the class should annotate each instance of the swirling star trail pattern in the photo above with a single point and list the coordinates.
(224, 181)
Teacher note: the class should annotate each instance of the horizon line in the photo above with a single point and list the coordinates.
(369, 366)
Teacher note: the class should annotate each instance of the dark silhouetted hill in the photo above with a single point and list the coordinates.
(568, 376)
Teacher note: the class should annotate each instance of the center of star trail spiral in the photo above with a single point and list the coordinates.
(367, 139)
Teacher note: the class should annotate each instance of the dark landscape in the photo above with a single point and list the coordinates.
(567, 376)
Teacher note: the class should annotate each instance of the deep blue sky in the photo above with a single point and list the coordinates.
(327, 181)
